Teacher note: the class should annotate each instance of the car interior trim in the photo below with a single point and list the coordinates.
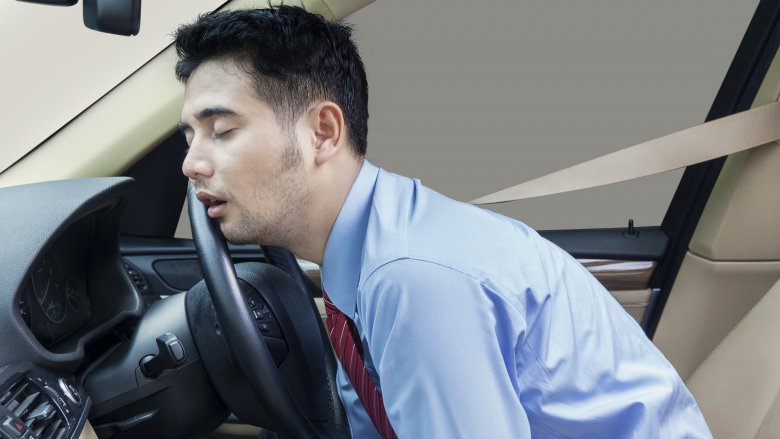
(744, 367)
(708, 300)
(745, 75)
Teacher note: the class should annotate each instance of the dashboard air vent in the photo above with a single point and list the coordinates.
(30, 404)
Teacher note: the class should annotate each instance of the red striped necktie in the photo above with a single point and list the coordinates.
(344, 337)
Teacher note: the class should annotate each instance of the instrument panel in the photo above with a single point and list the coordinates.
(54, 301)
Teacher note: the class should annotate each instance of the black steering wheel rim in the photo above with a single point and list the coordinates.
(244, 340)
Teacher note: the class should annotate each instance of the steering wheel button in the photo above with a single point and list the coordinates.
(262, 315)
(269, 329)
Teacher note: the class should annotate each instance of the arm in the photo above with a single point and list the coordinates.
(444, 349)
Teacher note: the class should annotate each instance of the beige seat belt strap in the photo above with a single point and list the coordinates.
(701, 143)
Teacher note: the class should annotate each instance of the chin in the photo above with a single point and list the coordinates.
(240, 240)
(237, 235)
(235, 238)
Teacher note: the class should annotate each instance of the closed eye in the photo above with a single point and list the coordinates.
(221, 134)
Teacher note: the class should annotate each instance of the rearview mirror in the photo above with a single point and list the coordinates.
(120, 17)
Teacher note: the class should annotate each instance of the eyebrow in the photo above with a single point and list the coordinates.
(207, 113)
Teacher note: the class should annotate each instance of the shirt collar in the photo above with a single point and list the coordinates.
(340, 271)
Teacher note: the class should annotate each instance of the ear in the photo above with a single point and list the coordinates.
(327, 123)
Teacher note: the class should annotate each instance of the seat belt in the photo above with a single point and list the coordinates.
(710, 140)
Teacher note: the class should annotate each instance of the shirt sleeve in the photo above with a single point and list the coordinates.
(445, 349)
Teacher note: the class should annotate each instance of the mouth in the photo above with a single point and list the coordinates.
(216, 206)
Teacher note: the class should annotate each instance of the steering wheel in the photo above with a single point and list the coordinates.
(238, 325)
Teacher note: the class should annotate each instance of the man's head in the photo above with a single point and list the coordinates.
(275, 115)
(293, 57)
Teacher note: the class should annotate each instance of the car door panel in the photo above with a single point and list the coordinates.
(623, 260)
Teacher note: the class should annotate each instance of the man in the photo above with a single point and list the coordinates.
(466, 323)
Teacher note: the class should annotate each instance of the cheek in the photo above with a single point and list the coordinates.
(241, 167)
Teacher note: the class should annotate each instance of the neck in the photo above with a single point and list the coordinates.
(330, 189)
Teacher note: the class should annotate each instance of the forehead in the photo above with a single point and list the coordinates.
(221, 83)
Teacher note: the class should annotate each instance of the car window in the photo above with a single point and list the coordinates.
(54, 67)
(476, 97)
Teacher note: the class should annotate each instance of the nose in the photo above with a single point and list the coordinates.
(197, 164)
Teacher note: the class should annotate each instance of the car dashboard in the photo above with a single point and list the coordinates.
(54, 301)
(63, 288)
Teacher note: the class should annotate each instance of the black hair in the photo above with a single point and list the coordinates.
(294, 58)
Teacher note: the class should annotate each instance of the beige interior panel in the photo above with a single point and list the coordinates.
(770, 428)
(130, 120)
(113, 133)
(234, 431)
(707, 300)
(742, 217)
(321, 308)
(88, 432)
(635, 302)
(737, 386)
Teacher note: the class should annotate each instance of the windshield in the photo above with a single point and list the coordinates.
(54, 67)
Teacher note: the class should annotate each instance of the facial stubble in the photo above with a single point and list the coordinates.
(277, 205)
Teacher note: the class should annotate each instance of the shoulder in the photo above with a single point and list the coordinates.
(413, 284)
(419, 287)
(410, 220)
(399, 276)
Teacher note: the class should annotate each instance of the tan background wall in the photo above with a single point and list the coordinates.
(473, 97)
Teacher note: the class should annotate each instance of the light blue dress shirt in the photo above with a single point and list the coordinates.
(474, 326)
